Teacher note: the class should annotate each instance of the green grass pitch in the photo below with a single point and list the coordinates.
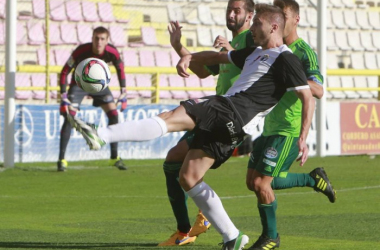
(93, 206)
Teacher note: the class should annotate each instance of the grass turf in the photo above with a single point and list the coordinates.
(92, 206)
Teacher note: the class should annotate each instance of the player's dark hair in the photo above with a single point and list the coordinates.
(249, 5)
(291, 4)
(101, 30)
(271, 13)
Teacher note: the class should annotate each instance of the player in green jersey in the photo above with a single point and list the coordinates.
(276, 149)
(238, 20)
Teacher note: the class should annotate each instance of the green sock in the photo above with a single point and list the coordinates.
(293, 180)
(177, 197)
(268, 218)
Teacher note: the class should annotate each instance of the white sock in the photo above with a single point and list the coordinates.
(140, 130)
(211, 205)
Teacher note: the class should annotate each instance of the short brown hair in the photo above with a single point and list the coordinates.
(293, 5)
(271, 13)
(101, 30)
(249, 5)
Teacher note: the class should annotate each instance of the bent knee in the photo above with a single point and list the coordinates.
(178, 152)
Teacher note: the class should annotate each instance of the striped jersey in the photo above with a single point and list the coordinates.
(285, 119)
(266, 76)
(85, 51)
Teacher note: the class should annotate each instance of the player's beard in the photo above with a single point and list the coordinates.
(237, 25)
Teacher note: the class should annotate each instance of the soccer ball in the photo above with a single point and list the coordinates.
(92, 75)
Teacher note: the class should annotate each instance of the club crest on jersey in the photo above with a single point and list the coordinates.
(264, 58)
(236, 45)
(271, 152)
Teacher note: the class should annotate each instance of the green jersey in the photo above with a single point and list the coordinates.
(229, 73)
(285, 119)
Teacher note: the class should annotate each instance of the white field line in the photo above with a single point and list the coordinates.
(165, 197)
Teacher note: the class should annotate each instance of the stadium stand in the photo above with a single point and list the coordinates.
(130, 82)
(55, 34)
(361, 82)
(74, 11)
(193, 81)
(204, 36)
(204, 15)
(357, 61)
(376, 40)
(148, 35)
(38, 7)
(164, 94)
(144, 80)
(374, 19)
(38, 80)
(130, 58)
(218, 15)
(117, 36)
(350, 19)
(303, 18)
(208, 82)
(342, 40)
(23, 80)
(2, 84)
(41, 57)
(57, 10)
(362, 19)
(21, 34)
(91, 13)
(177, 81)
(147, 58)
(2, 8)
(162, 58)
(61, 56)
(370, 60)
(174, 58)
(35, 32)
(2, 33)
(373, 82)
(312, 17)
(348, 82)
(334, 82)
(53, 83)
(84, 32)
(114, 83)
(366, 41)
(354, 41)
(106, 15)
(338, 19)
(332, 62)
(68, 33)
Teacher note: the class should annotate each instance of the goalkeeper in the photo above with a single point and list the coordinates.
(72, 98)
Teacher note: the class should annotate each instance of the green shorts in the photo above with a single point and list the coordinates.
(273, 155)
(188, 136)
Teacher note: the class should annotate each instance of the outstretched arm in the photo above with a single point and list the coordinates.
(308, 106)
(316, 89)
(175, 40)
(202, 58)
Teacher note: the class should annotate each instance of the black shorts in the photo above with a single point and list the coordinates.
(76, 96)
(218, 130)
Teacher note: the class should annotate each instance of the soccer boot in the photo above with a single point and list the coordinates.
(62, 165)
(266, 243)
(178, 239)
(201, 225)
(88, 132)
(236, 244)
(323, 184)
(118, 162)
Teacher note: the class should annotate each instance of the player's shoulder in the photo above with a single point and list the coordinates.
(82, 49)
(112, 50)
(302, 46)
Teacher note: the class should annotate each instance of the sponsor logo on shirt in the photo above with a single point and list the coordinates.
(271, 153)
(270, 163)
(264, 58)
(234, 139)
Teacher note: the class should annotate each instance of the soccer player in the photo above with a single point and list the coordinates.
(220, 122)
(72, 97)
(276, 149)
(238, 19)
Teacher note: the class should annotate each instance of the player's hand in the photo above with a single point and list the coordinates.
(222, 42)
(175, 34)
(65, 104)
(122, 99)
(303, 151)
(183, 65)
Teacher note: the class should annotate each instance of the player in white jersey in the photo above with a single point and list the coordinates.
(219, 122)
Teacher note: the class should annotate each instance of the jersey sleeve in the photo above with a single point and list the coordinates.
(249, 42)
(237, 57)
(293, 73)
(311, 67)
(119, 65)
(69, 65)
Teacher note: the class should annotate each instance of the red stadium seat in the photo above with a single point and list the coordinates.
(177, 81)
(105, 11)
(90, 14)
(130, 82)
(130, 58)
(38, 8)
(61, 56)
(21, 34)
(35, 32)
(117, 36)
(38, 80)
(23, 80)
(193, 81)
(41, 57)
(84, 32)
(147, 58)
(74, 11)
(208, 82)
(54, 34)
(68, 33)
(164, 94)
(149, 36)
(57, 10)
(162, 58)
(144, 80)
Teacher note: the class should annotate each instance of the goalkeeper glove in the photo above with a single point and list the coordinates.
(66, 105)
(123, 99)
